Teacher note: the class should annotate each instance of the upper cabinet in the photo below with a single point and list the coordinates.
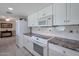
(45, 12)
(45, 16)
(41, 18)
(66, 14)
(59, 14)
(32, 20)
(73, 13)
(56, 14)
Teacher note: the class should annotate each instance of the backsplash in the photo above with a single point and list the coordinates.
(73, 29)
(69, 29)
(42, 29)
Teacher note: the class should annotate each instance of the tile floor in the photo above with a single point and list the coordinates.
(8, 48)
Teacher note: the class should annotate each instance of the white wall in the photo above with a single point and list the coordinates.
(13, 26)
(13, 29)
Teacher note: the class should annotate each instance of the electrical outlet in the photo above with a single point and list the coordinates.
(71, 31)
(50, 29)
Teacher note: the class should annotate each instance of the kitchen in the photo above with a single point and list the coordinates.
(47, 29)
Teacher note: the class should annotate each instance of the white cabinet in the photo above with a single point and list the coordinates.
(55, 50)
(66, 14)
(45, 12)
(28, 43)
(73, 13)
(19, 40)
(32, 20)
(45, 16)
(62, 14)
(54, 53)
(41, 18)
(59, 14)
(69, 52)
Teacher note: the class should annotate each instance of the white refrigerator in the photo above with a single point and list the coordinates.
(21, 28)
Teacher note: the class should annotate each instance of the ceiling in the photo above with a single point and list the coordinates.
(21, 9)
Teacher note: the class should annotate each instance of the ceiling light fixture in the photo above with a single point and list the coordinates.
(10, 8)
(7, 19)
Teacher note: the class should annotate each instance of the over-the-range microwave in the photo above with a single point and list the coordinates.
(45, 21)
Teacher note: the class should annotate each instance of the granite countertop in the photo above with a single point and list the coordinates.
(67, 43)
(64, 42)
(28, 34)
(72, 36)
(38, 35)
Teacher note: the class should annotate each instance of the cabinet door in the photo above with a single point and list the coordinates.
(59, 13)
(30, 20)
(58, 50)
(28, 43)
(47, 11)
(69, 52)
(35, 20)
(55, 50)
(54, 53)
(74, 13)
(20, 41)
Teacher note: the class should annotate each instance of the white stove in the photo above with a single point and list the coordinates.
(39, 46)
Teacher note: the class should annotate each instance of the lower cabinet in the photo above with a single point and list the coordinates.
(54, 53)
(55, 50)
(19, 40)
(28, 43)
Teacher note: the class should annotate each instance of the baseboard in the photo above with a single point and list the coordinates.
(28, 51)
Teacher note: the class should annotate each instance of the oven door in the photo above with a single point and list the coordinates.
(39, 48)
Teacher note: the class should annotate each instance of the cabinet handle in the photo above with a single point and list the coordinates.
(49, 18)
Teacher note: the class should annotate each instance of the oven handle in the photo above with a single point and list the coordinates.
(39, 43)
